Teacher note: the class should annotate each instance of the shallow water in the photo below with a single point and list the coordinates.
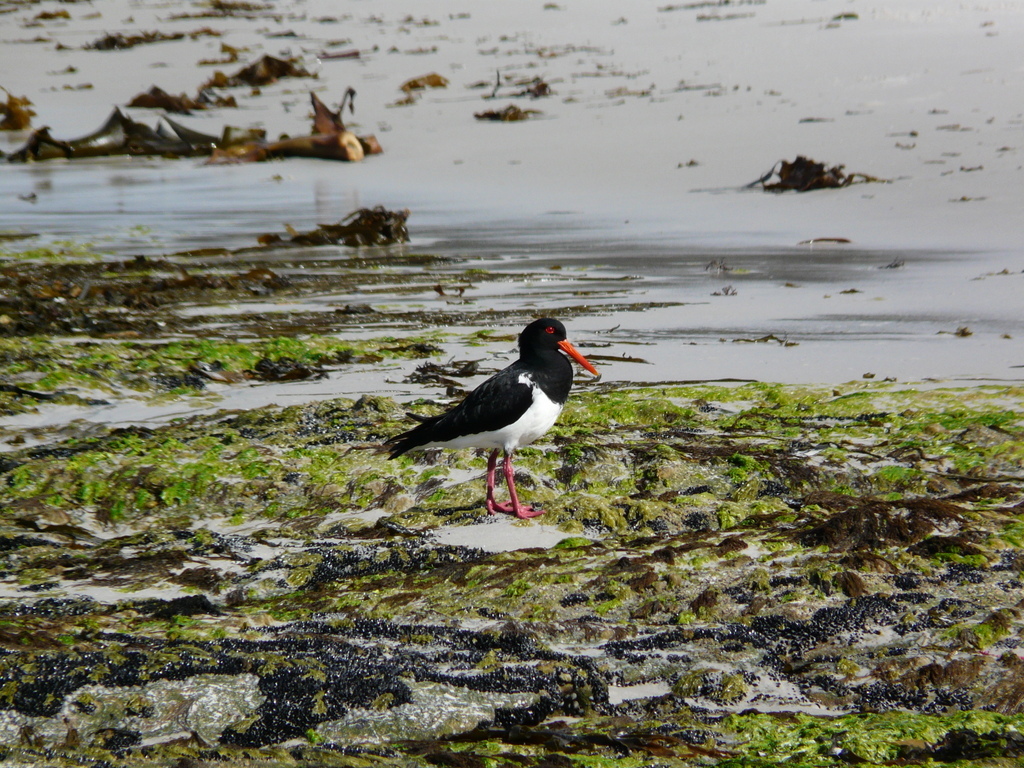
(601, 182)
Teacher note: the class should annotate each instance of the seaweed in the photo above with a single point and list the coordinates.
(804, 175)
(509, 114)
(363, 227)
(16, 113)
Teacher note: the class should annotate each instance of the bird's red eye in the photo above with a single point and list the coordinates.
(549, 329)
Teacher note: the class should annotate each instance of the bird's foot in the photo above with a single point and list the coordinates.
(525, 511)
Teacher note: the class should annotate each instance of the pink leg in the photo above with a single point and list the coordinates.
(492, 505)
(514, 508)
(520, 511)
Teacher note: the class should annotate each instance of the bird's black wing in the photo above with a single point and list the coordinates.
(496, 403)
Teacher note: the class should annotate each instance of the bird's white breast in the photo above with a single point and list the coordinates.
(538, 419)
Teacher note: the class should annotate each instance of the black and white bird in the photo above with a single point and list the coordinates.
(512, 408)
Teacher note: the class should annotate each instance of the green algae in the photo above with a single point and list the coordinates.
(873, 738)
(154, 369)
(676, 515)
(60, 251)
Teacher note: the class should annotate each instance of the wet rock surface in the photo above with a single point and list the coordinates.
(265, 586)
(725, 573)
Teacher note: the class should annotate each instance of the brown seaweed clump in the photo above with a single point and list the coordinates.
(265, 71)
(366, 226)
(510, 114)
(158, 98)
(118, 42)
(16, 113)
(804, 174)
(329, 140)
(121, 135)
(871, 523)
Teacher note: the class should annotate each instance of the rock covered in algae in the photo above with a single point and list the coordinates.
(246, 583)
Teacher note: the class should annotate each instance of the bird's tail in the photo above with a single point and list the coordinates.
(413, 438)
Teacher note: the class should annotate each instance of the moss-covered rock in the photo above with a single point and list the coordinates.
(734, 575)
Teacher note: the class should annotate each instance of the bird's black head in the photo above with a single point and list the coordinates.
(542, 334)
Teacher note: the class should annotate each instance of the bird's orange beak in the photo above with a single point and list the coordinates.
(571, 351)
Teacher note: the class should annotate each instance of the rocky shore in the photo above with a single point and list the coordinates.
(730, 575)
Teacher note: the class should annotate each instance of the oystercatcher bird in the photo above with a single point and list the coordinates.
(512, 408)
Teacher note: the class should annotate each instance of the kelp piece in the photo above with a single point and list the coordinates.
(804, 174)
(326, 121)
(509, 114)
(209, 98)
(352, 53)
(15, 113)
(370, 226)
(433, 80)
(413, 87)
(265, 71)
(365, 226)
(336, 146)
(330, 140)
(119, 135)
(231, 55)
(536, 88)
(195, 138)
(230, 136)
(219, 9)
(118, 42)
(158, 98)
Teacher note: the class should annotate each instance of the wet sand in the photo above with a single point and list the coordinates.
(636, 166)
